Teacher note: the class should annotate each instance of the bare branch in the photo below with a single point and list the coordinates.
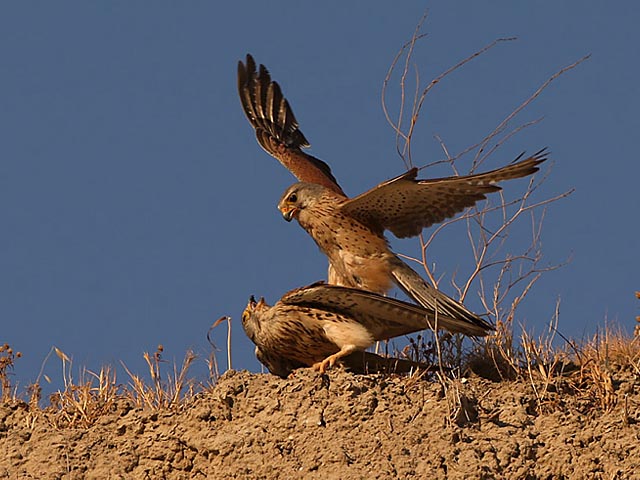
(502, 269)
(479, 158)
(403, 139)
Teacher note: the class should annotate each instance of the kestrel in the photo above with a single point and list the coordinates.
(315, 326)
(350, 231)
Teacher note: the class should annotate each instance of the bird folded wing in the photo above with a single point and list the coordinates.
(384, 317)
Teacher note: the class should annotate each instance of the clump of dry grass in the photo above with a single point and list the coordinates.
(81, 403)
(174, 391)
(597, 372)
(553, 365)
(599, 359)
(587, 369)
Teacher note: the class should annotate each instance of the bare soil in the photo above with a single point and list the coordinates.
(339, 426)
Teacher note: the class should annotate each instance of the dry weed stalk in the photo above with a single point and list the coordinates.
(542, 361)
(461, 408)
(7, 363)
(636, 331)
(212, 361)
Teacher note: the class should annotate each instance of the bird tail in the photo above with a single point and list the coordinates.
(449, 313)
(516, 169)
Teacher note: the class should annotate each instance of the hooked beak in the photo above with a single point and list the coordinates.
(289, 214)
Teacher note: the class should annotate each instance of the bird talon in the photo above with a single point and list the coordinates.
(322, 366)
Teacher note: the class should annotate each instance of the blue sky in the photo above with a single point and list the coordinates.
(136, 207)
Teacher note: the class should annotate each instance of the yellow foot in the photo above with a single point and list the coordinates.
(323, 365)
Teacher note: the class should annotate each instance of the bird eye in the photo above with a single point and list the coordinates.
(293, 198)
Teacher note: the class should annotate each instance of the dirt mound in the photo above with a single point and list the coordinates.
(339, 426)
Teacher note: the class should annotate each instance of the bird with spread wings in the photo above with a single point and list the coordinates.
(316, 326)
(350, 231)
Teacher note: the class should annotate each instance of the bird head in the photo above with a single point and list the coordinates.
(298, 197)
(251, 316)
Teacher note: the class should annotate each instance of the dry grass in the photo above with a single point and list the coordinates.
(83, 401)
(599, 359)
(554, 366)
(585, 368)
(174, 391)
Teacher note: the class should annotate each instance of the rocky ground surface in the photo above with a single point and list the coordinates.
(339, 426)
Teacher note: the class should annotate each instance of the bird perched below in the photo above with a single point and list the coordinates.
(315, 326)
(350, 231)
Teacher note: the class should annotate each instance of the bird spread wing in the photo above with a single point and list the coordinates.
(405, 205)
(276, 126)
(382, 316)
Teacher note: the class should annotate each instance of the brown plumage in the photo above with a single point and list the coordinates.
(317, 325)
(351, 231)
